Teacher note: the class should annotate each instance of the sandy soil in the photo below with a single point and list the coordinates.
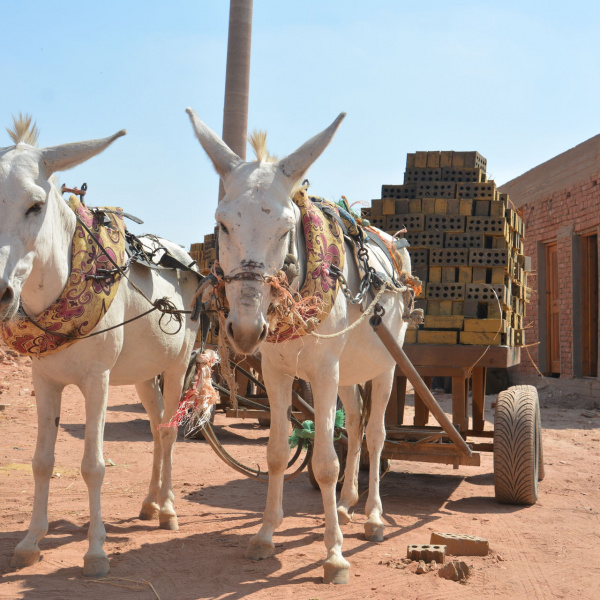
(549, 550)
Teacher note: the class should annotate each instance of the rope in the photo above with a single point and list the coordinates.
(386, 286)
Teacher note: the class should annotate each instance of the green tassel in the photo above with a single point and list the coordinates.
(307, 432)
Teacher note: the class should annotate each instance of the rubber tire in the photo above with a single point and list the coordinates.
(518, 453)
(341, 452)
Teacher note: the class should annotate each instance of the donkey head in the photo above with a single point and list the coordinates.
(26, 192)
(256, 221)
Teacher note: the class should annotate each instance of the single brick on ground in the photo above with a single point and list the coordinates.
(461, 545)
(427, 552)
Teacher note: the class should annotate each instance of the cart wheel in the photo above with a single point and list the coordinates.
(518, 454)
(341, 452)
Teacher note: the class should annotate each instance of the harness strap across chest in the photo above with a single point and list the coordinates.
(88, 293)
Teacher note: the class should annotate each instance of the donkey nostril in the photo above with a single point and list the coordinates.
(230, 331)
(263, 335)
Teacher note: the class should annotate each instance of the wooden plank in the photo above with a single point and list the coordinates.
(460, 394)
(497, 357)
(478, 394)
(421, 416)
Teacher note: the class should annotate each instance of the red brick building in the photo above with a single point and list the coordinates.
(559, 201)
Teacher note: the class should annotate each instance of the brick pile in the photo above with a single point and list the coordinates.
(205, 253)
(466, 245)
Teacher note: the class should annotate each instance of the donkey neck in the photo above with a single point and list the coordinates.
(52, 262)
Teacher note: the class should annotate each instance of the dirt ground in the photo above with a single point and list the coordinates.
(549, 550)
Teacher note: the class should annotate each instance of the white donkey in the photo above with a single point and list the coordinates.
(256, 220)
(36, 233)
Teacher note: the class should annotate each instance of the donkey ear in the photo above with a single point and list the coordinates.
(296, 164)
(222, 156)
(67, 156)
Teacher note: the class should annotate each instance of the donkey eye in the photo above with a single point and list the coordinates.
(33, 210)
(224, 229)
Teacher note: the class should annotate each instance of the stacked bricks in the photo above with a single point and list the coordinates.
(466, 246)
(205, 253)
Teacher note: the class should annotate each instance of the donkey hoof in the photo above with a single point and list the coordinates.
(148, 512)
(374, 532)
(336, 570)
(95, 566)
(24, 558)
(259, 549)
(343, 516)
(168, 522)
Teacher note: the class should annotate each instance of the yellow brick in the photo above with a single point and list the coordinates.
(453, 206)
(494, 311)
(466, 207)
(449, 275)
(465, 274)
(446, 307)
(475, 338)
(433, 159)
(446, 158)
(485, 325)
(435, 274)
(428, 206)
(437, 337)
(441, 206)
(458, 308)
(497, 208)
(410, 336)
(498, 274)
(376, 208)
(420, 159)
(479, 274)
(437, 322)
(415, 206)
(388, 206)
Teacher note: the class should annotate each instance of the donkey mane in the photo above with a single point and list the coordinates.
(24, 131)
(258, 142)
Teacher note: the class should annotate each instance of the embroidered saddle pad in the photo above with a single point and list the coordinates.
(324, 241)
(85, 300)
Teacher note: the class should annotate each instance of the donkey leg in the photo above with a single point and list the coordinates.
(48, 398)
(382, 386)
(95, 391)
(279, 390)
(326, 469)
(349, 493)
(173, 379)
(151, 399)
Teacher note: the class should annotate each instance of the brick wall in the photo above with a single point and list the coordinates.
(557, 200)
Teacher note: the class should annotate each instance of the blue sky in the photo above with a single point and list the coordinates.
(517, 81)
